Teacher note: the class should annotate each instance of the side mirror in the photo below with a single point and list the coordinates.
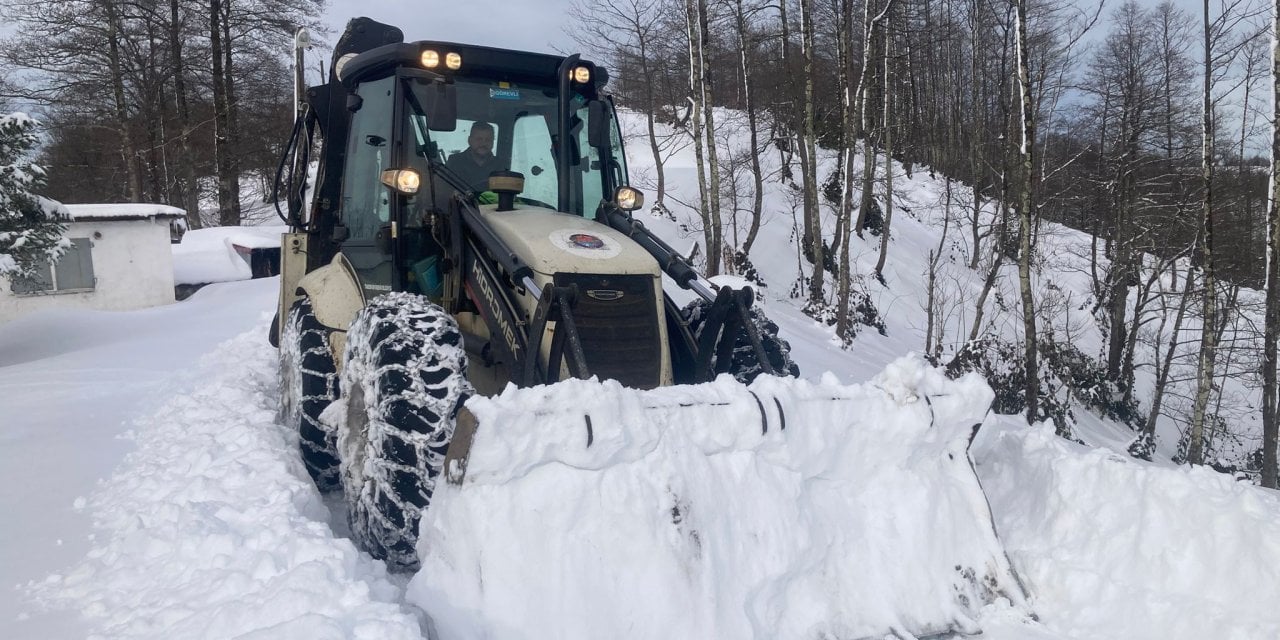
(598, 127)
(628, 198)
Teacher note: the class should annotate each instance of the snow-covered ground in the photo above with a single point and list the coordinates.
(148, 492)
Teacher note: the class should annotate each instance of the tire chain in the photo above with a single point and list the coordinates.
(406, 355)
(308, 383)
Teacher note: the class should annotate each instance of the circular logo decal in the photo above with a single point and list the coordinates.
(586, 241)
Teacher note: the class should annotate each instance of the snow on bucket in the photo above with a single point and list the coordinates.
(787, 509)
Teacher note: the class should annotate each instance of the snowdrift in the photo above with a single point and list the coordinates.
(788, 509)
(212, 529)
(1134, 550)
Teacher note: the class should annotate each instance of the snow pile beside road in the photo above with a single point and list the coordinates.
(593, 511)
(212, 529)
(1114, 548)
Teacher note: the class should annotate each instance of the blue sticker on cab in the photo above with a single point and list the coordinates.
(504, 94)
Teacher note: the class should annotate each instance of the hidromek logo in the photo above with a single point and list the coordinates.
(495, 306)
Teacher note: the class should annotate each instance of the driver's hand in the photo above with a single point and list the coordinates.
(487, 197)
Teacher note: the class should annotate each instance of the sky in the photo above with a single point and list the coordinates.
(529, 25)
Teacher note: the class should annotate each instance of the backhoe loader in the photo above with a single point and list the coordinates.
(404, 282)
(410, 285)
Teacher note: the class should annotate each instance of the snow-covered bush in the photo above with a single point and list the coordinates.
(30, 225)
(1086, 377)
(862, 310)
(1068, 379)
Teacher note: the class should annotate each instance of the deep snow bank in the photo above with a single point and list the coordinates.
(212, 529)
(1133, 550)
(593, 511)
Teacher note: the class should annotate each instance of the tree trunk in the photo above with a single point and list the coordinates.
(934, 334)
(887, 127)
(695, 121)
(233, 109)
(997, 261)
(1145, 446)
(651, 127)
(1025, 214)
(115, 67)
(812, 213)
(1271, 332)
(228, 213)
(976, 136)
(188, 189)
(844, 324)
(716, 248)
(1209, 310)
(757, 174)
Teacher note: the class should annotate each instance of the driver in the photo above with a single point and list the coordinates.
(476, 162)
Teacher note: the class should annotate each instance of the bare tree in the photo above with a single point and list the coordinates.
(809, 162)
(1026, 200)
(626, 32)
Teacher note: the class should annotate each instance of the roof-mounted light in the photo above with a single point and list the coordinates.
(581, 75)
(430, 58)
(453, 61)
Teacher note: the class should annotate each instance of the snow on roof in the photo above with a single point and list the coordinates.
(210, 255)
(247, 237)
(125, 211)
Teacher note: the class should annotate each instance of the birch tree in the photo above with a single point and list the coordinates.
(1272, 323)
(809, 163)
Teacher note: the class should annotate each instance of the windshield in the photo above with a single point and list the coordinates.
(510, 126)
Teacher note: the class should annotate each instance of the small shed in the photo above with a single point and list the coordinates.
(119, 259)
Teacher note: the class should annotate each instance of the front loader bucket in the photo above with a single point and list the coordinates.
(783, 509)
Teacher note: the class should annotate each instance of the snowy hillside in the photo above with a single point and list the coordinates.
(925, 206)
(148, 488)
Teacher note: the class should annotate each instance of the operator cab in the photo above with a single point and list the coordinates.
(413, 110)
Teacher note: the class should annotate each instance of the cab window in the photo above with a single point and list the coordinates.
(366, 204)
(532, 156)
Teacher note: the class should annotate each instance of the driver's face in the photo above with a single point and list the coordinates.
(481, 142)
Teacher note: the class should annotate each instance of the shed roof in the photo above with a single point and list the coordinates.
(125, 211)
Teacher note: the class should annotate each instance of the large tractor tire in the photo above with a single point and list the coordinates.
(308, 383)
(745, 365)
(404, 380)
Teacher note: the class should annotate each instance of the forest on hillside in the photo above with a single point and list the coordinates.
(167, 101)
(1143, 124)
(1140, 123)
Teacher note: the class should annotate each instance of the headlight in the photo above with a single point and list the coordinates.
(453, 61)
(403, 180)
(628, 198)
(581, 75)
(430, 59)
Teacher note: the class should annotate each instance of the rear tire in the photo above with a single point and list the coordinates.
(404, 379)
(308, 383)
(745, 365)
